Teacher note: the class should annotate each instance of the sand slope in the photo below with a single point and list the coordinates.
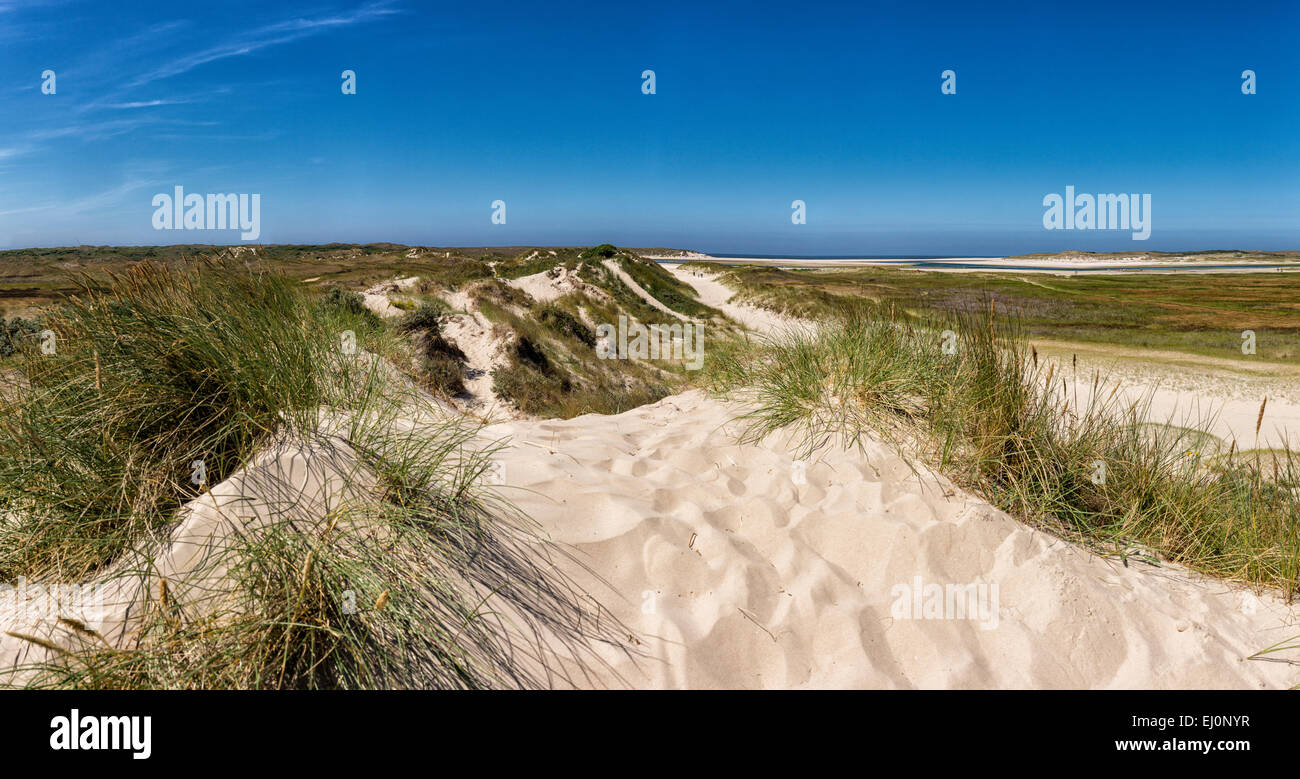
(554, 283)
(302, 481)
(1219, 396)
(736, 575)
(376, 298)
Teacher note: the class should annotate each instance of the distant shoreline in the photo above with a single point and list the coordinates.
(997, 264)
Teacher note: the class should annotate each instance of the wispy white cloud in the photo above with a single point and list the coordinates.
(14, 30)
(102, 65)
(90, 131)
(266, 135)
(146, 103)
(264, 37)
(94, 202)
(37, 140)
(119, 75)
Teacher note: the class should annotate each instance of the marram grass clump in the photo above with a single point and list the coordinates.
(435, 583)
(422, 579)
(162, 368)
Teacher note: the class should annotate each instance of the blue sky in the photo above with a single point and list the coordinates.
(756, 105)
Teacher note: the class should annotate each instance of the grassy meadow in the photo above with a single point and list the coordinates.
(1202, 314)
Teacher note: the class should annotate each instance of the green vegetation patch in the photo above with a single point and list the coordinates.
(441, 366)
(1195, 313)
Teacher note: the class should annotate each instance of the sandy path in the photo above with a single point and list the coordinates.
(740, 568)
(650, 300)
(1218, 395)
(716, 294)
(469, 330)
(484, 352)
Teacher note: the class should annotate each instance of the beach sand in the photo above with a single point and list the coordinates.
(1219, 396)
(739, 568)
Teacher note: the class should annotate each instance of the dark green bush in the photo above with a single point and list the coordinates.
(423, 319)
(527, 351)
(344, 301)
(565, 323)
(442, 363)
(13, 332)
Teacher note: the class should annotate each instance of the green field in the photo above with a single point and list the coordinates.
(1197, 313)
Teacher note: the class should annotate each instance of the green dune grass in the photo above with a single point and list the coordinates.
(410, 587)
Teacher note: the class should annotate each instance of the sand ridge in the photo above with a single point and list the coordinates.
(739, 567)
(554, 283)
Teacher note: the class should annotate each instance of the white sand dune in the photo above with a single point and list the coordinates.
(554, 283)
(376, 298)
(739, 568)
(736, 567)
